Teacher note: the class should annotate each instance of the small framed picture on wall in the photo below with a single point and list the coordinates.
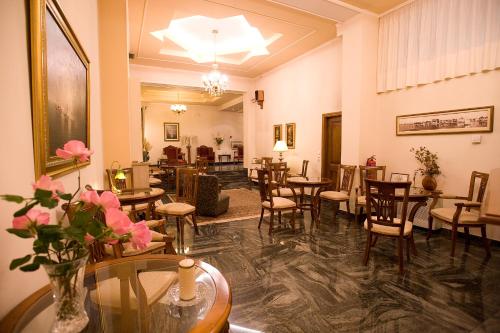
(290, 135)
(171, 131)
(277, 135)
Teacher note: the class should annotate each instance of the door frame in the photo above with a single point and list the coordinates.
(323, 136)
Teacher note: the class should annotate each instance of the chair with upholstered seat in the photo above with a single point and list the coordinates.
(303, 172)
(174, 155)
(342, 192)
(185, 205)
(366, 172)
(465, 214)
(273, 203)
(259, 163)
(279, 172)
(381, 216)
(206, 152)
(210, 201)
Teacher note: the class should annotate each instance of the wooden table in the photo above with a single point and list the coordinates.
(220, 156)
(417, 195)
(113, 284)
(314, 183)
(135, 197)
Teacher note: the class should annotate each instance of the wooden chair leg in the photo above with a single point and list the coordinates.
(261, 217)
(454, 232)
(279, 217)
(271, 220)
(467, 239)
(400, 254)
(486, 243)
(348, 208)
(355, 213)
(413, 247)
(195, 224)
(368, 247)
(374, 240)
(408, 249)
(429, 230)
(335, 209)
(293, 219)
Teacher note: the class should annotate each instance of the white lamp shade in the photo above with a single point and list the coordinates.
(280, 146)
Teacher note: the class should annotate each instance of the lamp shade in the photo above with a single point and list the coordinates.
(120, 174)
(280, 146)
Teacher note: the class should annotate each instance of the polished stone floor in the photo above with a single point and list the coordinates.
(313, 280)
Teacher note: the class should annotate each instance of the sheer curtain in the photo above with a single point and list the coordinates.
(432, 40)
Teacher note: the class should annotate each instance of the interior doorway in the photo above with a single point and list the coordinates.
(331, 146)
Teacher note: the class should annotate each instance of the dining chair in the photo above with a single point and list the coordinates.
(381, 216)
(279, 173)
(465, 214)
(366, 172)
(342, 192)
(303, 172)
(185, 205)
(260, 163)
(273, 203)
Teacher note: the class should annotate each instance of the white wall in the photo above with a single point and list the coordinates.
(458, 157)
(300, 92)
(204, 122)
(17, 170)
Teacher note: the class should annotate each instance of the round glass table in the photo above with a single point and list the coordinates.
(314, 183)
(135, 294)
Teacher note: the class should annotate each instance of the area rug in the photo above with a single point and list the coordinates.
(244, 204)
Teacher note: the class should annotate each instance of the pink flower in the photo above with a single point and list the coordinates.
(33, 216)
(74, 149)
(107, 200)
(118, 221)
(46, 183)
(140, 235)
(111, 241)
(88, 238)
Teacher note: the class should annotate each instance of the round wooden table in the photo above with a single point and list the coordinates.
(314, 183)
(135, 197)
(113, 306)
(417, 195)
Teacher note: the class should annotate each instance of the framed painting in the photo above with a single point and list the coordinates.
(171, 131)
(60, 83)
(399, 177)
(472, 120)
(277, 135)
(290, 135)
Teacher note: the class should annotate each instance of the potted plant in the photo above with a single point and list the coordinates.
(146, 148)
(429, 167)
(61, 247)
(219, 140)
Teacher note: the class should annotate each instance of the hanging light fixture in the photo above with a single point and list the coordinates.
(215, 82)
(178, 108)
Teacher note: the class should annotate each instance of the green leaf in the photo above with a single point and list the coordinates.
(25, 209)
(42, 194)
(13, 198)
(75, 233)
(80, 218)
(49, 233)
(42, 260)
(65, 196)
(40, 247)
(23, 233)
(30, 267)
(48, 202)
(19, 261)
(57, 245)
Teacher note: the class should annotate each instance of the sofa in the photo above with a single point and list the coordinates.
(210, 201)
(206, 152)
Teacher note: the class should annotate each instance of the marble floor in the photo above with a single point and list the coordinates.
(313, 280)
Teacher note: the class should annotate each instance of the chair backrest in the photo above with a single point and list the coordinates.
(483, 181)
(201, 165)
(370, 172)
(265, 190)
(125, 184)
(265, 161)
(208, 190)
(187, 185)
(204, 151)
(171, 152)
(278, 172)
(381, 204)
(305, 163)
(345, 178)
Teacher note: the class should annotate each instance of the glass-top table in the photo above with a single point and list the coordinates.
(135, 294)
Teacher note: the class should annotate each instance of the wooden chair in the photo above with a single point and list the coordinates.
(381, 219)
(174, 155)
(185, 205)
(303, 173)
(238, 154)
(207, 152)
(461, 216)
(342, 192)
(271, 202)
(366, 172)
(279, 172)
(135, 211)
(259, 163)
(201, 165)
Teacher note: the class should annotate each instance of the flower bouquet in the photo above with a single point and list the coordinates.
(429, 167)
(61, 247)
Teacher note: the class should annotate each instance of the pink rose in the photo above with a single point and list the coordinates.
(46, 183)
(33, 216)
(118, 221)
(140, 235)
(74, 149)
(107, 200)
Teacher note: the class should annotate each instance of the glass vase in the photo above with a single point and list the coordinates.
(69, 295)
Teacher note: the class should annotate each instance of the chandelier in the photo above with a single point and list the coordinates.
(178, 108)
(215, 82)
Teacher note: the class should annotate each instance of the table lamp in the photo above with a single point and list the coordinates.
(119, 178)
(280, 147)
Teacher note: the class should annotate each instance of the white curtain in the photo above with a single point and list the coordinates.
(432, 40)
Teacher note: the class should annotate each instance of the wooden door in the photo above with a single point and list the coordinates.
(331, 144)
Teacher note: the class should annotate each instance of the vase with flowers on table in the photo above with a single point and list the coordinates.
(429, 167)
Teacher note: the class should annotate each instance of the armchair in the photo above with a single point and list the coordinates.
(209, 201)
(207, 152)
(174, 155)
(461, 216)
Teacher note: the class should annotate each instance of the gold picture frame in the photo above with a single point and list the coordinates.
(60, 85)
(290, 135)
(277, 133)
(470, 120)
(171, 132)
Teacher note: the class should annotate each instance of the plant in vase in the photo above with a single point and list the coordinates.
(61, 247)
(429, 167)
(146, 148)
(219, 140)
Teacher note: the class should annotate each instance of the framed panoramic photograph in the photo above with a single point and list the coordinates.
(399, 177)
(60, 83)
(470, 120)
(171, 131)
(277, 135)
(290, 135)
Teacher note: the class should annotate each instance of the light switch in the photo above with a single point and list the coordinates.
(476, 139)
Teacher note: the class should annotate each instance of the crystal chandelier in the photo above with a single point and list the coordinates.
(215, 82)
(178, 108)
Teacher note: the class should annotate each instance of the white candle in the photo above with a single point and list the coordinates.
(187, 279)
